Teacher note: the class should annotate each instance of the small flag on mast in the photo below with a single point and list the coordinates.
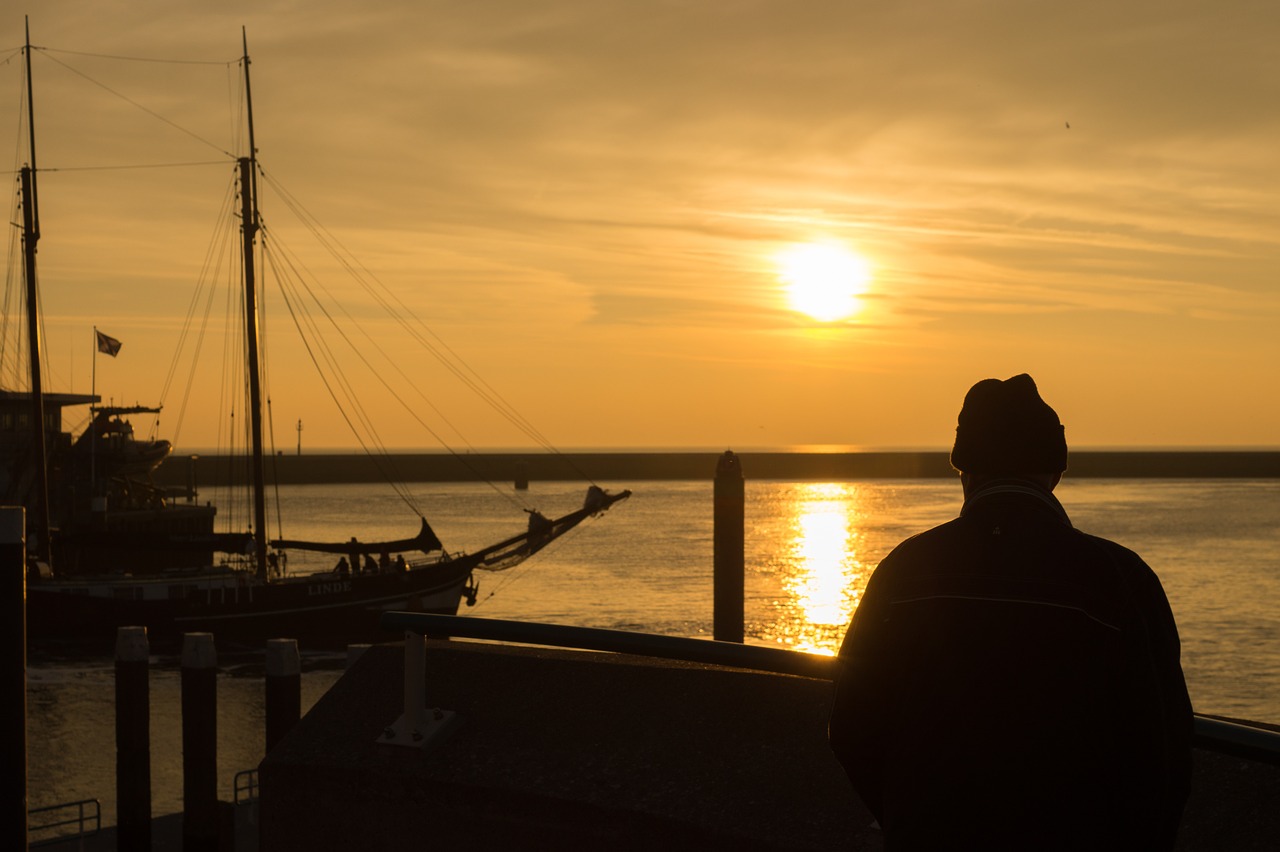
(107, 345)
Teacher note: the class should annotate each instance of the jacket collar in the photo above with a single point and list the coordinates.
(1020, 487)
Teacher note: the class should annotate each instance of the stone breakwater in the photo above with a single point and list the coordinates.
(216, 470)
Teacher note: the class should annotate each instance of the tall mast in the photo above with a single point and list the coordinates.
(249, 228)
(31, 133)
(30, 236)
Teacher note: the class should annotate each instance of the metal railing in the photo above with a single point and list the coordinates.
(88, 812)
(1216, 734)
(760, 658)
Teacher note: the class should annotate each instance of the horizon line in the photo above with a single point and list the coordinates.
(798, 449)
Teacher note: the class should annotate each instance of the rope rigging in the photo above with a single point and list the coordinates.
(196, 136)
(302, 315)
(327, 333)
(414, 326)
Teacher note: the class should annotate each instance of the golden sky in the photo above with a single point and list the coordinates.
(587, 201)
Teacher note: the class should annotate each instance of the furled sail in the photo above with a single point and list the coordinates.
(426, 541)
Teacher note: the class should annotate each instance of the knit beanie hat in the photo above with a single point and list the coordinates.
(1006, 428)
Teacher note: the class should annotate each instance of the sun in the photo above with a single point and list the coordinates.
(823, 280)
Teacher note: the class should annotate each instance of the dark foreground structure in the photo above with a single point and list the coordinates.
(554, 749)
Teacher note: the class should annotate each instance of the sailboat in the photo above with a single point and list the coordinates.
(111, 549)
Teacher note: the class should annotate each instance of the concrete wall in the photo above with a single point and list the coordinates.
(576, 750)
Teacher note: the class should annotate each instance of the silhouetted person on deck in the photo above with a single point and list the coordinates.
(1009, 682)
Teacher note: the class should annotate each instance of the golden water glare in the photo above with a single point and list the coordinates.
(822, 576)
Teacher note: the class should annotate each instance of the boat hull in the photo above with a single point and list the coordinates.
(319, 610)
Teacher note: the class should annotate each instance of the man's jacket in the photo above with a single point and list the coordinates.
(1012, 683)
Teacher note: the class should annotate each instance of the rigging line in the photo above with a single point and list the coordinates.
(271, 423)
(147, 110)
(209, 286)
(11, 288)
(126, 167)
(442, 360)
(344, 257)
(296, 263)
(297, 268)
(457, 365)
(517, 572)
(21, 123)
(228, 62)
(209, 273)
(232, 383)
(398, 398)
(454, 362)
(324, 380)
(275, 469)
(213, 253)
(286, 287)
(44, 337)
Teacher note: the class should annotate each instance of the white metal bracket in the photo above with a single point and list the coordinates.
(419, 725)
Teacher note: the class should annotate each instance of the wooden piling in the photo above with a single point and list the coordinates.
(283, 689)
(133, 738)
(728, 543)
(199, 743)
(13, 591)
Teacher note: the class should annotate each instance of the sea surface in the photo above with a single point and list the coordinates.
(647, 566)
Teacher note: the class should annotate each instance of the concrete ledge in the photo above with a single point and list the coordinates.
(563, 749)
(560, 750)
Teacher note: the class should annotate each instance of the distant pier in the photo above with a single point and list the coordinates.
(215, 470)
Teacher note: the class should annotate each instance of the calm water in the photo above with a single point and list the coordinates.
(647, 566)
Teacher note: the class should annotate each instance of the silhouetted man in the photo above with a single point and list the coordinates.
(1009, 682)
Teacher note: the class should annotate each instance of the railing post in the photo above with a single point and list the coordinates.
(133, 738)
(199, 743)
(415, 679)
(728, 543)
(13, 590)
(284, 689)
(418, 726)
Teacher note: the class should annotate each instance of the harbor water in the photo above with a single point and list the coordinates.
(647, 566)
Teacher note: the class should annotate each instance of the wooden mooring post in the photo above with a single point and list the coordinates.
(133, 738)
(728, 543)
(199, 743)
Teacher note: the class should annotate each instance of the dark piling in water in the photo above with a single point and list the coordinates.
(283, 689)
(133, 738)
(728, 541)
(199, 743)
(13, 564)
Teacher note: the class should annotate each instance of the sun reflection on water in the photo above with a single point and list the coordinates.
(820, 576)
